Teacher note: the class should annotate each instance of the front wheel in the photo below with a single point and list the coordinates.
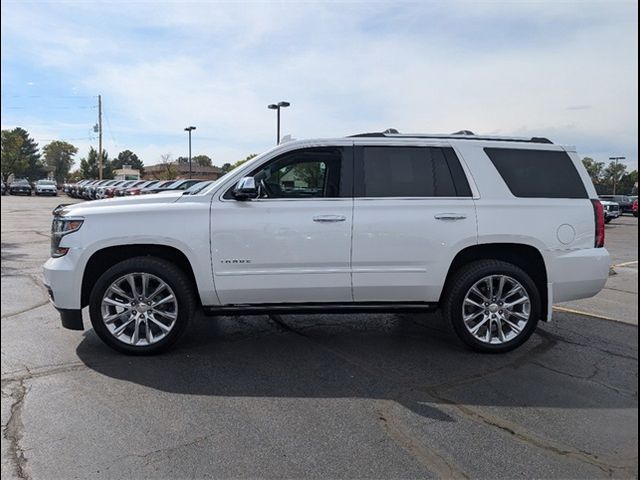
(142, 305)
(494, 306)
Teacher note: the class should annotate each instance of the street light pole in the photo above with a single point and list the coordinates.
(278, 106)
(615, 178)
(189, 129)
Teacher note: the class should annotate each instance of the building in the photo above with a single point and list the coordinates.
(180, 170)
(126, 173)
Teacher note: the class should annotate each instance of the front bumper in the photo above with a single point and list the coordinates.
(63, 281)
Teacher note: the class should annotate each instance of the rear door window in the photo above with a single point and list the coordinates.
(390, 171)
(538, 173)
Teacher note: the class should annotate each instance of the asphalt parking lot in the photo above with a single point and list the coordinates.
(318, 396)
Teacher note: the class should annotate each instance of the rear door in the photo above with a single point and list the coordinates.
(413, 211)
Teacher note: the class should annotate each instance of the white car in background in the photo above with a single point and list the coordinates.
(46, 187)
(611, 210)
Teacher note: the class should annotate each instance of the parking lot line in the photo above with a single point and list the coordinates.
(626, 264)
(586, 314)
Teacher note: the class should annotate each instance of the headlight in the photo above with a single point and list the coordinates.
(60, 227)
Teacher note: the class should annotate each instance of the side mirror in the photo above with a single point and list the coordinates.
(245, 189)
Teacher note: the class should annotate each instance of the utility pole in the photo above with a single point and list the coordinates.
(100, 135)
(615, 178)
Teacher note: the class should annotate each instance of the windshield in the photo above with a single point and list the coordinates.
(46, 182)
(21, 182)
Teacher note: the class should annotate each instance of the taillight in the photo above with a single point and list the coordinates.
(598, 211)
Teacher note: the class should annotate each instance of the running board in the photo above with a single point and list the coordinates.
(298, 308)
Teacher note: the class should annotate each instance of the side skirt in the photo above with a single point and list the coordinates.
(300, 308)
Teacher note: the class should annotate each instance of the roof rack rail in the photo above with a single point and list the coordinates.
(459, 135)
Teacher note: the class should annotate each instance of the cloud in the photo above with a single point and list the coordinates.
(538, 68)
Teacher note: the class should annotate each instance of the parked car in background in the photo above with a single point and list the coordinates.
(150, 189)
(120, 192)
(20, 187)
(46, 187)
(198, 187)
(634, 208)
(113, 190)
(100, 191)
(181, 184)
(376, 222)
(611, 210)
(624, 201)
(4, 188)
(136, 189)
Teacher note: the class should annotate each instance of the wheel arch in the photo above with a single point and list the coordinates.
(525, 256)
(106, 257)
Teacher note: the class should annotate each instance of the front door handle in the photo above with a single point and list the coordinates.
(329, 218)
(450, 216)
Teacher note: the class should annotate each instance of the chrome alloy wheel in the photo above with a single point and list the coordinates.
(496, 309)
(139, 309)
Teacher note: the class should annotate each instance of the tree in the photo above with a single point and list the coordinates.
(202, 160)
(594, 169)
(59, 155)
(613, 174)
(628, 183)
(12, 163)
(89, 166)
(240, 162)
(29, 151)
(23, 157)
(169, 170)
(74, 176)
(227, 167)
(127, 157)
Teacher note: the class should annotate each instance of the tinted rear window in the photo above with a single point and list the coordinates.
(538, 173)
(409, 172)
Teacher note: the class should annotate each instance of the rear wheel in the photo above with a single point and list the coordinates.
(494, 306)
(142, 305)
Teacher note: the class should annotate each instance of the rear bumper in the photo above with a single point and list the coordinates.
(578, 274)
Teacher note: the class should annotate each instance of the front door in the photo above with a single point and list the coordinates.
(293, 243)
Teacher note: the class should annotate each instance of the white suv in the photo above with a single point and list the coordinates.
(491, 230)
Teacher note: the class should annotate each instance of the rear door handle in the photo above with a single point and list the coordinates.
(450, 216)
(329, 218)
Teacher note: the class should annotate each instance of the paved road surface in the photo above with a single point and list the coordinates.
(375, 396)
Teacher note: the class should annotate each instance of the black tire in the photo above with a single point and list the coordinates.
(608, 220)
(166, 271)
(464, 278)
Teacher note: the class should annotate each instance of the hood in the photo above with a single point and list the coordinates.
(167, 197)
(608, 202)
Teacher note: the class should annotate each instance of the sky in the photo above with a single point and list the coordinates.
(566, 70)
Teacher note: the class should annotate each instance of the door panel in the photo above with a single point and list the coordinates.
(401, 252)
(276, 251)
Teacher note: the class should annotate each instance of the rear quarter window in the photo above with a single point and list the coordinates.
(538, 173)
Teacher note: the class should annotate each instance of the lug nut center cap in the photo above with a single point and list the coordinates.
(493, 308)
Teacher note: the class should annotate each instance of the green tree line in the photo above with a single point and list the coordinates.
(605, 176)
(22, 158)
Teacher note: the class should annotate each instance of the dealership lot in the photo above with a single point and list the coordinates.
(373, 396)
